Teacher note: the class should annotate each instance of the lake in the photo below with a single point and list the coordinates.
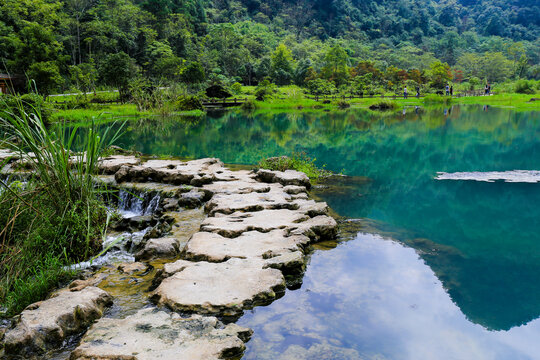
(423, 268)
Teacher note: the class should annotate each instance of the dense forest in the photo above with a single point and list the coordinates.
(83, 44)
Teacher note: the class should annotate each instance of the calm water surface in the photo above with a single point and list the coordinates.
(424, 269)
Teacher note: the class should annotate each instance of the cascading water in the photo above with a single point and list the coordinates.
(130, 204)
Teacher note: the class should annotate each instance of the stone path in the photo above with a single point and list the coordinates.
(252, 243)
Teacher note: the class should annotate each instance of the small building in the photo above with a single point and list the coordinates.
(10, 83)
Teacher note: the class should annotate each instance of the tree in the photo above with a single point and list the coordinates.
(440, 74)
(282, 65)
(46, 75)
(117, 70)
(193, 73)
(336, 67)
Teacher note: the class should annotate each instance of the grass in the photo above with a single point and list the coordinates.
(57, 217)
(299, 162)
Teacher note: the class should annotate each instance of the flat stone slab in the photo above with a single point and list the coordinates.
(264, 221)
(44, 325)
(219, 288)
(212, 247)
(112, 164)
(230, 203)
(317, 228)
(152, 334)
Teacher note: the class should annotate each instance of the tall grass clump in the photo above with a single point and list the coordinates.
(437, 99)
(55, 217)
(299, 162)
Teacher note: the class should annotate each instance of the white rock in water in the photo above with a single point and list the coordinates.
(152, 334)
(219, 288)
(44, 325)
(515, 176)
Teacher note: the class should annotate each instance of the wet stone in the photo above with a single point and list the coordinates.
(44, 325)
(152, 334)
(133, 268)
(264, 221)
(230, 203)
(288, 177)
(224, 289)
(212, 247)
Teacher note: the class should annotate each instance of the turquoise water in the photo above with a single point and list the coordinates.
(427, 268)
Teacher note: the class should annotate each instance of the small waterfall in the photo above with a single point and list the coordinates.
(130, 204)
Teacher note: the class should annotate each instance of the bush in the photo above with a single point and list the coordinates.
(524, 87)
(384, 105)
(188, 103)
(342, 104)
(30, 103)
(236, 88)
(299, 162)
(265, 90)
(250, 105)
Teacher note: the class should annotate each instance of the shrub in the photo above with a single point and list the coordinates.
(384, 105)
(342, 104)
(250, 105)
(524, 87)
(188, 103)
(299, 162)
(265, 90)
(236, 88)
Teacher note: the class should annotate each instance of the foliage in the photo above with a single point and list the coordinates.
(321, 87)
(299, 162)
(524, 87)
(437, 99)
(265, 90)
(56, 218)
(118, 70)
(188, 103)
(86, 44)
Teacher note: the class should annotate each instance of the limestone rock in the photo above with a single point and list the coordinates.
(133, 268)
(219, 288)
(151, 334)
(173, 243)
(317, 228)
(44, 325)
(213, 247)
(230, 203)
(294, 190)
(112, 164)
(288, 177)
(167, 247)
(288, 262)
(264, 221)
(192, 199)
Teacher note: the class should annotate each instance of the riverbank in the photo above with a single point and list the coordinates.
(290, 99)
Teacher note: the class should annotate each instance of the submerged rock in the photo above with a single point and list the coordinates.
(224, 289)
(44, 325)
(152, 334)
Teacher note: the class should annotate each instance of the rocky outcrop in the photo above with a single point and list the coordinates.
(151, 334)
(45, 325)
(224, 289)
(288, 177)
(111, 164)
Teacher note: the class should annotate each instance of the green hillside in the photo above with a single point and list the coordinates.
(83, 44)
